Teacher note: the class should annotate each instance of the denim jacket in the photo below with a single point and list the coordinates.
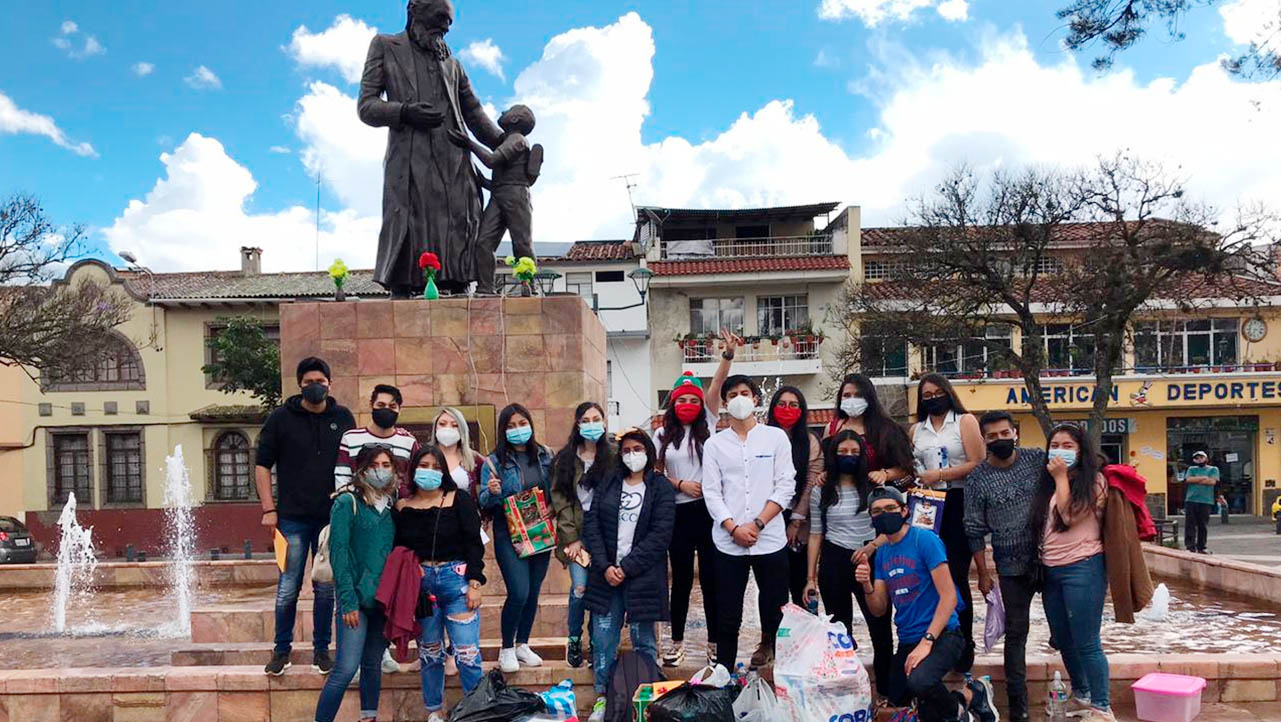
(509, 474)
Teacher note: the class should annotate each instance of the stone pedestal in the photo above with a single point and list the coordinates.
(482, 354)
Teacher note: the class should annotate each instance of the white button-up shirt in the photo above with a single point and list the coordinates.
(740, 477)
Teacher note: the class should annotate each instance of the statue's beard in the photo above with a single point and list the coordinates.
(429, 41)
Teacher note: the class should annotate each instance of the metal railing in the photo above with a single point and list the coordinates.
(772, 246)
(785, 349)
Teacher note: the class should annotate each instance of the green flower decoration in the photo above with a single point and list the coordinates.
(338, 272)
(524, 269)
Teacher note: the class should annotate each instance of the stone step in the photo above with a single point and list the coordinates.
(257, 622)
(259, 653)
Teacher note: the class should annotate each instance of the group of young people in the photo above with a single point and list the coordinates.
(764, 498)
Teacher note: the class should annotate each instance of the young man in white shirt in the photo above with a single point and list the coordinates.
(384, 407)
(748, 478)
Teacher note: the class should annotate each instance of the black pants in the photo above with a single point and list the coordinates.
(731, 584)
(959, 558)
(798, 563)
(934, 703)
(1017, 593)
(1197, 517)
(839, 591)
(693, 534)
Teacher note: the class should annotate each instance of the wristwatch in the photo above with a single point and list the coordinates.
(759, 524)
(930, 638)
(727, 355)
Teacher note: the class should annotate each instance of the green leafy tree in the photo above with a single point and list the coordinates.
(246, 359)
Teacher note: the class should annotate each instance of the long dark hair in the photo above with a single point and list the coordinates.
(641, 436)
(563, 465)
(503, 450)
(674, 431)
(884, 435)
(829, 494)
(447, 482)
(945, 386)
(1083, 481)
(799, 434)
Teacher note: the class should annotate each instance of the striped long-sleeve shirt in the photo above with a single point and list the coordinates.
(402, 443)
(999, 502)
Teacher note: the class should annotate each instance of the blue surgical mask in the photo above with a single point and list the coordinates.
(520, 435)
(592, 430)
(1067, 455)
(428, 479)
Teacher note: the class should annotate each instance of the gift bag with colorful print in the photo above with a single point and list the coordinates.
(530, 521)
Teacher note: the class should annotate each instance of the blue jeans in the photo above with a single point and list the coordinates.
(447, 582)
(524, 579)
(577, 605)
(1073, 598)
(302, 537)
(360, 648)
(607, 631)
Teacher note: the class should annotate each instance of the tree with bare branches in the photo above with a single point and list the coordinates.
(46, 326)
(1095, 249)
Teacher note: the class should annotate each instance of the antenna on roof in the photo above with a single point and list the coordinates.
(629, 180)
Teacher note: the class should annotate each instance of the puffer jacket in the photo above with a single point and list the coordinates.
(645, 568)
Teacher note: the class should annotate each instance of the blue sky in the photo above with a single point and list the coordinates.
(711, 102)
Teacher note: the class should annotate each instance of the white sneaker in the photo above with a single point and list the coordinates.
(526, 656)
(598, 711)
(436, 717)
(673, 654)
(390, 665)
(507, 661)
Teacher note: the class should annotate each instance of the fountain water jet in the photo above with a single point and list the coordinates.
(76, 563)
(180, 530)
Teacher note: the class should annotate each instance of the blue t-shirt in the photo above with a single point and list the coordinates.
(905, 568)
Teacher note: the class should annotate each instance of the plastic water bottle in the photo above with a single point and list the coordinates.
(1058, 699)
(740, 675)
(812, 604)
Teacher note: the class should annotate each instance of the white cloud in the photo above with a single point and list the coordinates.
(195, 217)
(342, 46)
(15, 120)
(142, 69)
(485, 54)
(280, 149)
(825, 59)
(1253, 21)
(202, 78)
(69, 27)
(92, 47)
(65, 41)
(875, 12)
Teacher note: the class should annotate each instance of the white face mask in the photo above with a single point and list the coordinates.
(635, 461)
(853, 406)
(447, 435)
(741, 407)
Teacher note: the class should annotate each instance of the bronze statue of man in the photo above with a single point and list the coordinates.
(413, 86)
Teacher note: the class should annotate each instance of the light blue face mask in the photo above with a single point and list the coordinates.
(428, 479)
(379, 478)
(592, 430)
(520, 435)
(1067, 455)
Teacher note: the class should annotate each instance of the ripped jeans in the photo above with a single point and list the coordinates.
(607, 632)
(577, 600)
(448, 583)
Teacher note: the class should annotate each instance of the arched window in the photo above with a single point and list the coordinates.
(232, 468)
(117, 367)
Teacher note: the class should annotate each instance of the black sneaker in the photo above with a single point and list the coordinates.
(574, 653)
(278, 664)
(981, 707)
(321, 661)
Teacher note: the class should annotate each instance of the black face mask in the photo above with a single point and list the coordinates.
(888, 524)
(938, 405)
(849, 464)
(385, 418)
(1001, 448)
(315, 392)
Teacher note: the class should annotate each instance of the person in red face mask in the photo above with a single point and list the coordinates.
(688, 421)
(788, 411)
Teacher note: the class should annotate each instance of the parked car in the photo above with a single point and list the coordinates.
(16, 544)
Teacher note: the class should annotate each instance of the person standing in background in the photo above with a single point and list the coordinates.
(1198, 501)
(858, 408)
(384, 408)
(450, 434)
(300, 441)
(788, 411)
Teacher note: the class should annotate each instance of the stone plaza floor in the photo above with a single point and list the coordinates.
(1247, 539)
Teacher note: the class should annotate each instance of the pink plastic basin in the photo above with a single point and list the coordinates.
(1160, 697)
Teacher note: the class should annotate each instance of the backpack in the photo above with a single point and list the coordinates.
(322, 571)
(631, 670)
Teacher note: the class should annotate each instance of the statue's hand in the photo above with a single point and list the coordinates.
(423, 115)
(459, 138)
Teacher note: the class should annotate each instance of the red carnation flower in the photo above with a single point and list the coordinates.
(429, 260)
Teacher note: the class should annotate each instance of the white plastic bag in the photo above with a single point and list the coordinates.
(994, 625)
(817, 675)
(757, 703)
(713, 675)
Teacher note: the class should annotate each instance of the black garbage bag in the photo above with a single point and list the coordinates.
(694, 703)
(494, 701)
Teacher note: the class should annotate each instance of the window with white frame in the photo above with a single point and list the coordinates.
(882, 352)
(579, 283)
(1049, 265)
(1172, 345)
(707, 316)
(1068, 348)
(776, 315)
(969, 356)
(881, 270)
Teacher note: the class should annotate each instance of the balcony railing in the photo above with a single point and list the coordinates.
(1261, 367)
(787, 348)
(772, 246)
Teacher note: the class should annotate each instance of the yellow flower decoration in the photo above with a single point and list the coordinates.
(338, 272)
(524, 269)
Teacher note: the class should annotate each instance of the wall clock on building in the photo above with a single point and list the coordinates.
(1254, 330)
